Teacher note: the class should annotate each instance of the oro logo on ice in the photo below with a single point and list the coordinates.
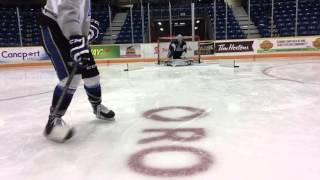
(154, 113)
(138, 161)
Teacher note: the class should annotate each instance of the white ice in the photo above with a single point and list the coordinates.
(258, 126)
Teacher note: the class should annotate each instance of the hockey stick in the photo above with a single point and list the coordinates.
(134, 67)
(66, 88)
(127, 68)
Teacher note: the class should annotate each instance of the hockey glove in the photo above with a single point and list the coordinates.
(94, 30)
(79, 50)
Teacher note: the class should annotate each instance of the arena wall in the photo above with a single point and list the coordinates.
(253, 49)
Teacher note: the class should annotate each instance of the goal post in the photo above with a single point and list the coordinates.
(192, 48)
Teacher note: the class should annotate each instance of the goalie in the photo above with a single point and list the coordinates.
(177, 53)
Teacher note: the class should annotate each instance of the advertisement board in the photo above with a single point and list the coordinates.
(105, 52)
(21, 54)
(217, 48)
(206, 48)
(130, 50)
(284, 45)
(239, 47)
(149, 50)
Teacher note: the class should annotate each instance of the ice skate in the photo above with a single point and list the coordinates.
(103, 113)
(57, 130)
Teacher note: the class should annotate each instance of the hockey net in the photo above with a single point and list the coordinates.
(192, 51)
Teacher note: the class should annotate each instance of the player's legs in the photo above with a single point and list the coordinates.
(91, 79)
(57, 47)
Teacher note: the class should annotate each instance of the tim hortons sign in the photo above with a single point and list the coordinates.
(234, 46)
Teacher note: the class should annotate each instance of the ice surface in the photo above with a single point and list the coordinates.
(261, 123)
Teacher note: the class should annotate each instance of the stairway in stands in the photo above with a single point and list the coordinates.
(112, 33)
(242, 17)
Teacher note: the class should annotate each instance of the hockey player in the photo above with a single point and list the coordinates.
(67, 29)
(177, 48)
(177, 52)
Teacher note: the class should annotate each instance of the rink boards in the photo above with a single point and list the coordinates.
(248, 49)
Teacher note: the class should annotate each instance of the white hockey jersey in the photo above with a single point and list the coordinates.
(72, 16)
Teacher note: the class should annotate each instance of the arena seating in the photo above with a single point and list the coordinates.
(125, 35)
(203, 10)
(30, 30)
(9, 34)
(101, 14)
(234, 30)
(178, 10)
(284, 20)
(285, 17)
(308, 17)
(260, 15)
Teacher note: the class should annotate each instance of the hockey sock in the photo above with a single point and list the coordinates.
(94, 94)
(66, 100)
